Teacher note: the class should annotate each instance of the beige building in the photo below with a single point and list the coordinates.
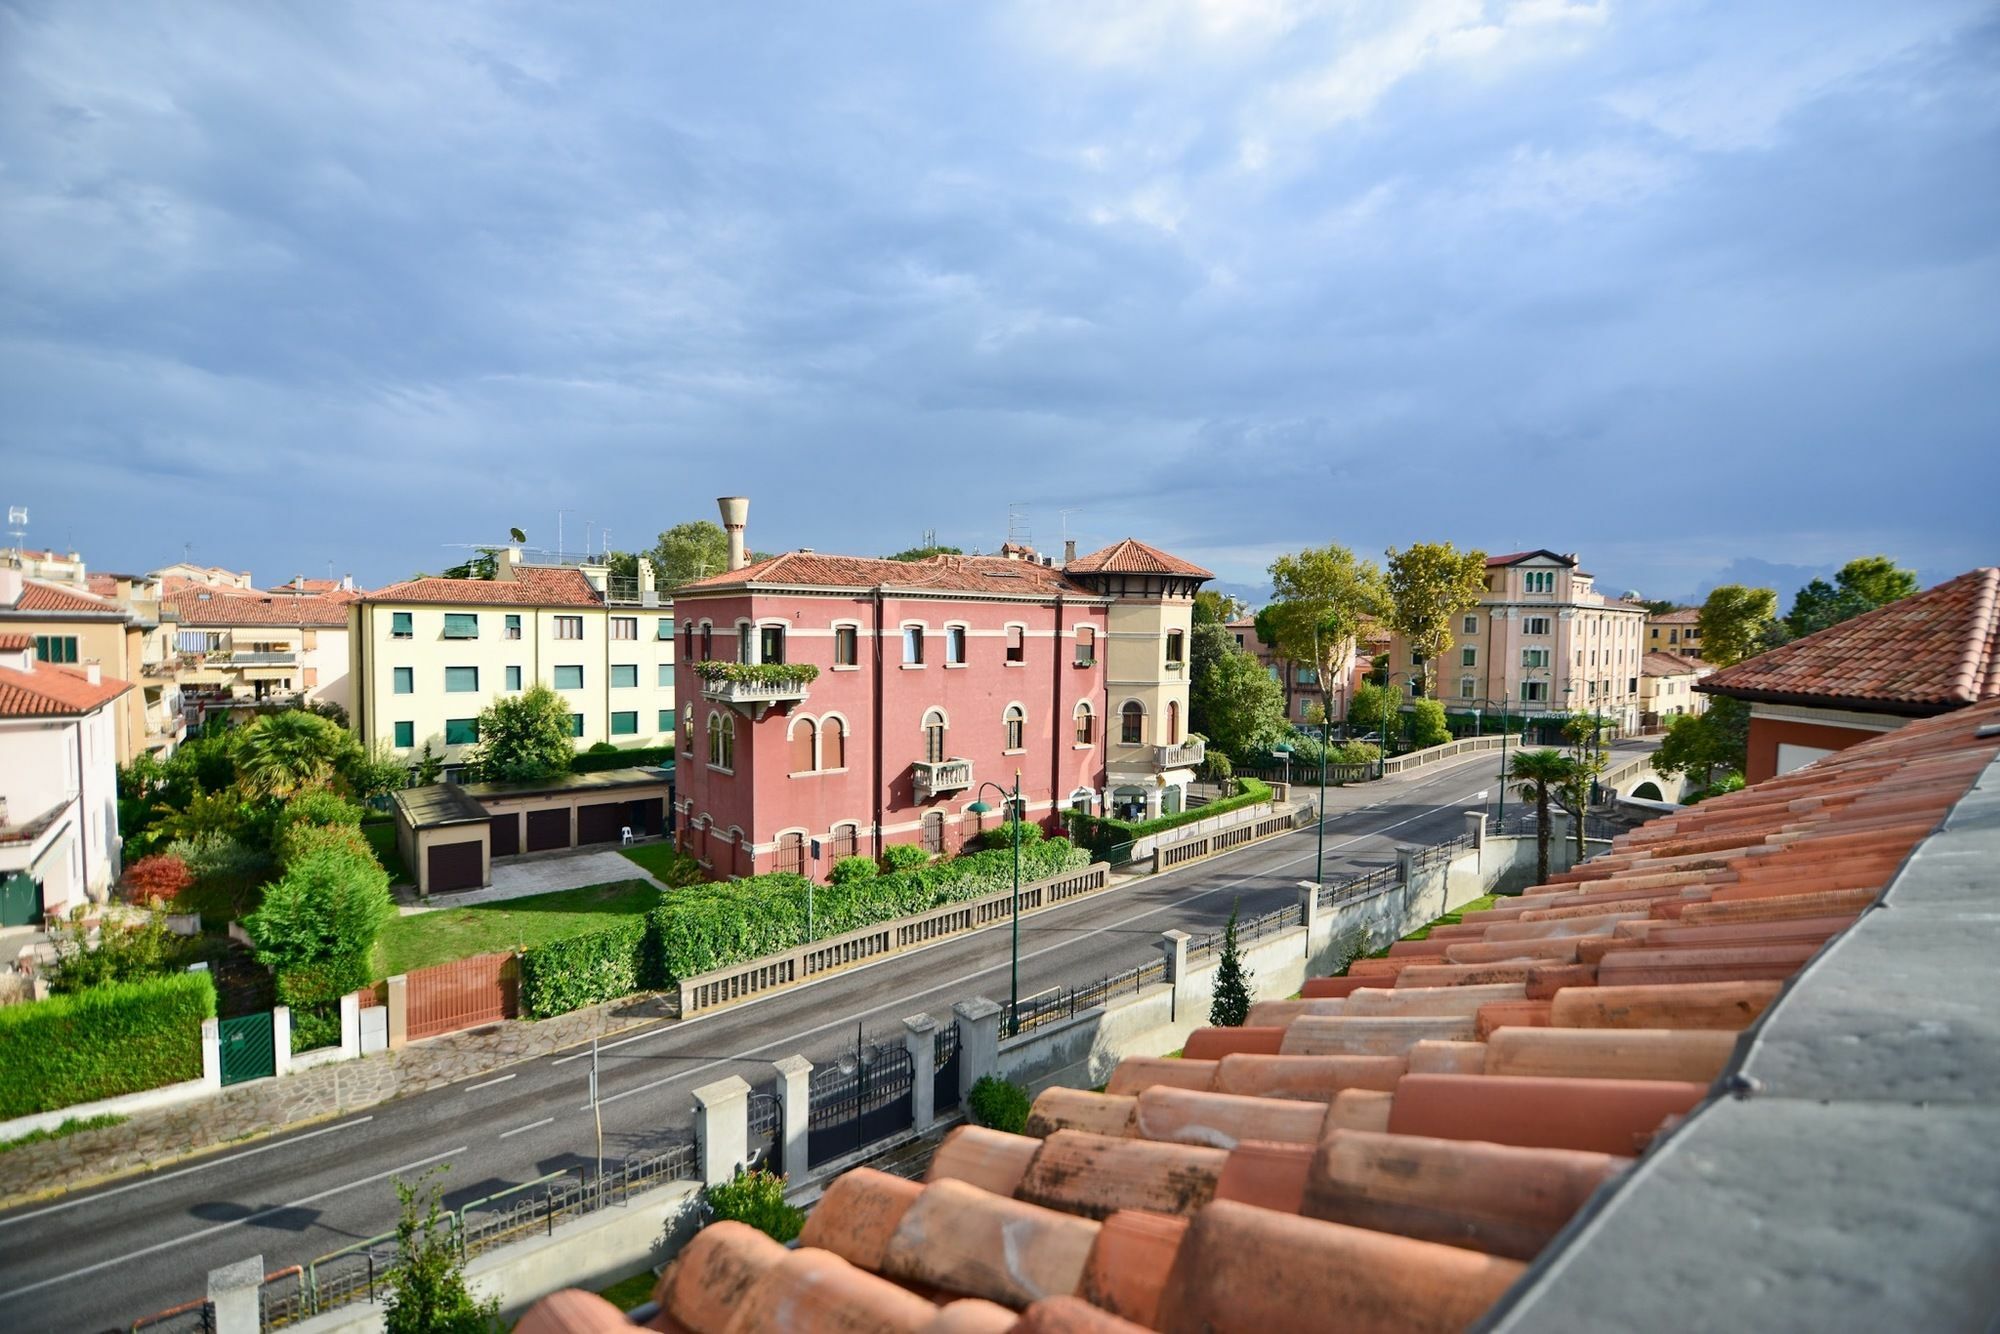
(428, 655)
(210, 576)
(236, 648)
(70, 625)
(1150, 757)
(1667, 688)
(1676, 631)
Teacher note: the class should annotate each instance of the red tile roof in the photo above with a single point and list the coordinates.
(1678, 616)
(1131, 556)
(532, 586)
(47, 691)
(15, 643)
(37, 596)
(1930, 653)
(1516, 557)
(997, 575)
(218, 607)
(1657, 663)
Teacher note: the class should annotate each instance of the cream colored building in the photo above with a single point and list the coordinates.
(235, 648)
(1676, 631)
(59, 728)
(70, 625)
(1150, 756)
(428, 655)
(1667, 687)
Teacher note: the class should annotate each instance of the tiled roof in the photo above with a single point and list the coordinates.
(1678, 616)
(37, 596)
(215, 607)
(15, 643)
(532, 586)
(48, 691)
(947, 574)
(1657, 663)
(1132, 556)
(1516, 557)
(1936, 651)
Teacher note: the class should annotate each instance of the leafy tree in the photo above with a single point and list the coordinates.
(1658, 606)
(1214, 607)
(1374, 707)
(622, 564)
(1862, 585)
(283, 754)
(159, 878)
(1734, 622)
(375, 772)
(484, 564)
(1231, 699)
(318, 922)
(1427, 725)
(1700, 744)
(925, 553)
(1319, 597)
(1540, 774)
(429, 767)
(427, 1291)
(1430, 583)
(1588, 758)
(757, 1199)
(1231, 1006)
(690, 551)
(523, 738)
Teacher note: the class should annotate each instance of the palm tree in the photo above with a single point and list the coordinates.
(1540, 774)
(283, 754)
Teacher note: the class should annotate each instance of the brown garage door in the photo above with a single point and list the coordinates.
(644, 816)
(601, 823)
(453, 866)
(548, 829)
(507, 834)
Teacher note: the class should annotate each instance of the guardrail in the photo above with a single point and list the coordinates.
(1417, 759)
(1169, 855)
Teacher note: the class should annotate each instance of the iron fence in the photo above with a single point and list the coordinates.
(1356, 887)
(1247, 929)
(864, 1096)
(1061, 1003)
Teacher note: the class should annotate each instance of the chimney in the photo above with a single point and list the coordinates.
(10, 587)
(735, 513)
(93, 673)
(1069, 551)
(505, 562)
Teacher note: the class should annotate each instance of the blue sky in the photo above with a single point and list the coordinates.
(1675, 286)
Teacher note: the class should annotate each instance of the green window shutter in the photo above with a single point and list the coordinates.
(624, 674)
(461, 731)
(666, 720)
(576, 724)
(513, 625)
(399, 624)
(461, 625)
(513, 678)
(665, 630)
(461, 680)
(569, 678)
(406, 735)
(406, 680)
(624, 724)
(666, 676)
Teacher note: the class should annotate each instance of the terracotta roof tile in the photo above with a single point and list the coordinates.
(991, 575)
(531, 586)
(220, 608)
(38, 596)
(1660, 663)
(16, 643)
(48, 691)
(1678, 616)
(1131, 556)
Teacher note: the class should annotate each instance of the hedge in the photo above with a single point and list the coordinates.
(123, 1038)
(1103, 831)
(641, 756)
(588, 968)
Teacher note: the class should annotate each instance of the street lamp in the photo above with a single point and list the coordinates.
(979, 807)
(1505, 728)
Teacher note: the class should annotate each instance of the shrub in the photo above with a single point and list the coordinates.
(1103, 831)
(601, 748)
(315, 1025)
(758, 673)
(427, 1290)
(216, 857)
(1003, 836)
(999, 1104)
(1425, 724)
(320, 808)
(1354, 752)
(122, 953)
(757, 1199)
(121, 1038)
(848, 870)
(1230, 1005)
(318, 924)
(303, 840)
(585, 969)
(904, 857)
(594, 761)
(159, 878)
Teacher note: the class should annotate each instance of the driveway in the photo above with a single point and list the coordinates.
(519, 877)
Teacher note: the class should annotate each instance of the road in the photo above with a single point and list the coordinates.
(100, 1258)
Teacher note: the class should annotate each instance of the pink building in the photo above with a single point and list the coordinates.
(933, 677)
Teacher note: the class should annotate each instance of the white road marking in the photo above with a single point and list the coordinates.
(522, 1130)
(490, 1083)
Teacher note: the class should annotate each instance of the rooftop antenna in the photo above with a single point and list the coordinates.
(1018, 531)
(587, 525)
(1065, 520)
(17, 524)
(559, 534)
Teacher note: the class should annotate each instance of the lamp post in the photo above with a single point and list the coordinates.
(979, 807)
(1505, 728)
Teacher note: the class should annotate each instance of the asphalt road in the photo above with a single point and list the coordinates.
(103, 1257)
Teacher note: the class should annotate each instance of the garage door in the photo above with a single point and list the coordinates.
(601, 823)
(644, 816)
(507, 834)
(548, 829)
(454, 866)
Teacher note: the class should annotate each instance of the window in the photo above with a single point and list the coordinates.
(846, 841)
(461, 731)
(1176, 648)
(625, 724)
(934, 737)
(721, 740)
(687, 635)
(461, 680)
(742, 643)
(666, 676)
(1535, 625)
(569, 678)
(406, 681)
(934, 832)
(664, 631)
(1468, 657)
(513, 678)
(1534, 657)
(1471, 624)
(954, 646)
(1017, 644)
(1273, 673)
(55, 648)
(1131, 723)
(1308, 676)
(569, 627)
(1086, 646)
(666, 720)
(799, 743)
(624, 627)
(1173, 722)
(461, 625)
(1673, 636)
(771, 643)
(1017, 726)
(707, 642)
(1534, 692)
(846, 646)
(1305, 708)
(791, 854)
(1540, 581)
(406, 735)
(1086, 732)
(624, 675)
(913, 645)
(399, 625)
(833, 744)
(576, 724)
(1632, 685)
(513, 630)
(1466, 687)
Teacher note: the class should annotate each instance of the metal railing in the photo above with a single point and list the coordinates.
(1247, 929)
(1367, 884)
(1061, 1003)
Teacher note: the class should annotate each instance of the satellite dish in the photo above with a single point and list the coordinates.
(517, 534)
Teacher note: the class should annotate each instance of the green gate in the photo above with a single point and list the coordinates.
(247, 1049)
(20, 900)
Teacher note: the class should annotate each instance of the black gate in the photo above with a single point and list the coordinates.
(861, 1098)
(944, 1085)
(767, 1140)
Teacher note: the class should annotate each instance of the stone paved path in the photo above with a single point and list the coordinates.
(540, 875)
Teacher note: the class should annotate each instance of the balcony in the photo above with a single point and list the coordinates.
(1183, 756)
(755, 688)
(935, 778)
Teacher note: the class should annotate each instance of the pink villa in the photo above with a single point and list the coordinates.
(933, 677)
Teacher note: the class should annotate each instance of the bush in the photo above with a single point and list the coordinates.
(1425, 724)
(999, 1104)
(585, 969)
(320, 808)
(122, 953)
(318, 924)
(757, 1199)
(1003, 837)
(595, 761)
(315, 1025)
(601, 748)
(304, 840)
(1102, 831)
(904, 857)
(160, 878)
(848, 870)
(121, 1038)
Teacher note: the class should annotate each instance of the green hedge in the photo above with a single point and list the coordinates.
(639, 756)
(123, 1038)
(587, 969)
(1101, 831)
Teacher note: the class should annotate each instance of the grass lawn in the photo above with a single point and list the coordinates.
(627, 1293)
(381, 836)
(665, 864)
(68, 1127)
(423, 939)
(1449, 919)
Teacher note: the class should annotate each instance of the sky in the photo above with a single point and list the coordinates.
(1684, 288)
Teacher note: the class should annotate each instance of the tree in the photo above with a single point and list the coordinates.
(375, 773)
(283, 754)
(622, 564)
(690, 551)
(1588, 759)
(1231, 699)
(1214, 607)
(1862, 585)
(159, 878)
(523, 738)
(427, 1291)
(1375, 708)
(1427, 725)
(429, 767)
(1698, 744)
(925, 553)
(1540, 774)
(1658, 606)
(1318, 599)
(484, 564)
(317, 925)
(1231, 1006)
(1430, 583)
(1734, 622)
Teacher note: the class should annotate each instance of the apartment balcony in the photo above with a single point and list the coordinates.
(1185, 755)
(934, 778)
(282, 658)
(755, 689)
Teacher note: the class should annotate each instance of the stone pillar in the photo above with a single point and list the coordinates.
(978, 1042)
(1309, 911)
(1406, 865)
(211, 1053)
(1174, 945)
(281, 1040)
(232, 1290)
(1475, 827)
(399, 1012)
(920, 1037)
(350, 1025)
(1562, 853)
(722, 1121)
(794, 1112)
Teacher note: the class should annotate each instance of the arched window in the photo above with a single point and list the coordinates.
(801, 744)
(722, 739)
(934, 832)
(1017, 727)
(791, 853)
(1132, 723)
(846, 841)
(707, 642)
(1173, 722)
(1086, 725)
(832, 744)
(934, 737)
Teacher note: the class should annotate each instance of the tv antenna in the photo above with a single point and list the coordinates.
(1018, 531)
(17, 524)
